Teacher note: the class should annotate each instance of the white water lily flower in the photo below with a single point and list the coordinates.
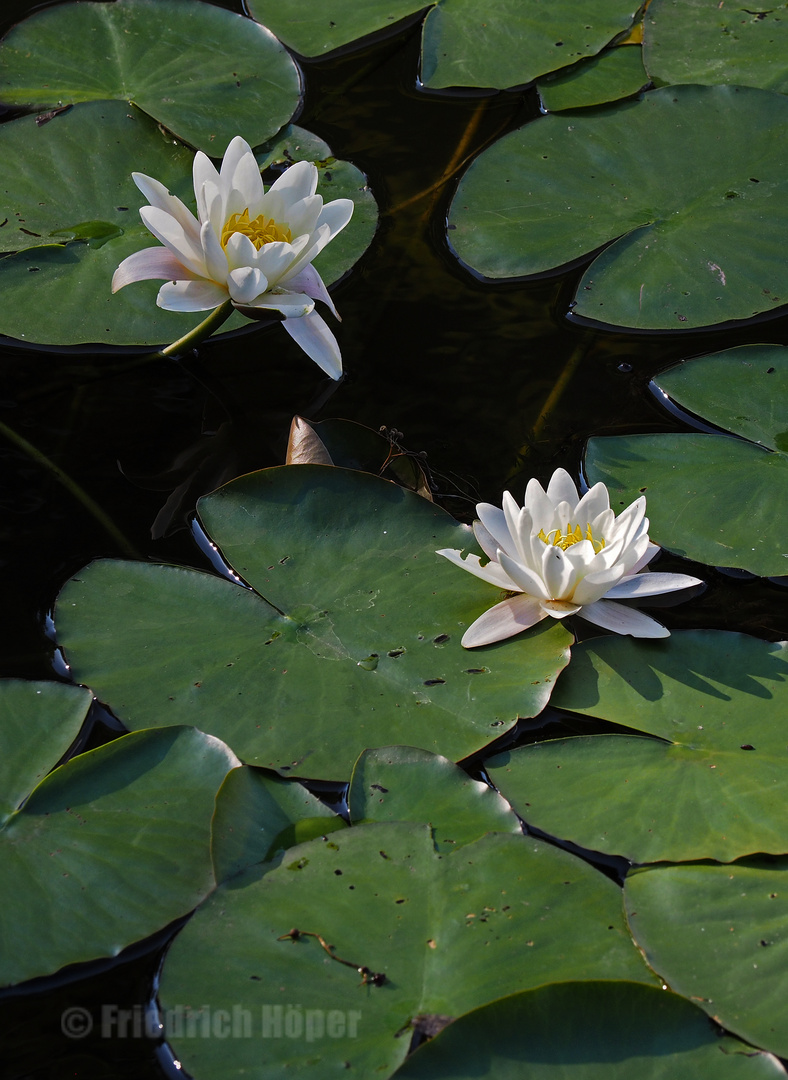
(251, 246)
(565, 555)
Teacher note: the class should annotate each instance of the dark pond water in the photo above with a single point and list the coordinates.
(496, 384)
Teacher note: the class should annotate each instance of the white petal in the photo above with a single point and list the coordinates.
(296, 183)
(623, 620)
(594, 503)
(493, 520)
(491, 572)
(242, 174)
(169, 231)
(310, 282)
(246, 284)
(510, 617)
(153, 262)
(317, 341)
(651, 551)
(200, 295)
(275, 260)
(486, 541)
(215, 259)
(290, 305)
(651, 584)
(304, 216)
(541, 508)
(562, 488)
(336, 214)
(558, 574)
(525, 579)
(203, 172)
(158, 195)
(594, 586)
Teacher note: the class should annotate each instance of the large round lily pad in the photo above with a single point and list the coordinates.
(60, 185)
(702, 249)
(406, 934)
(204, 73)
(704, 41)
(719, 934)
(617, 1030)
(350, 639)
(712, 784)
(109, 848)
(714, 499)
(464, 42)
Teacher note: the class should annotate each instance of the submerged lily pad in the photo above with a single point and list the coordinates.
(403, 783)
(109, 848)
(350, 639)
(618, 1030)
(404, 933)
(58, 183)
(40, 722)
(204, 73)
(715, 499)
(703, 41)
(713, 784)
(719, 934)
(464, 42)
(703, 249)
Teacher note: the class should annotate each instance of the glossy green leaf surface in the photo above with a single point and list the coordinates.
(403, 783)
(40, 721)
(614, 74)
(586, 1031)
(351, 639)
(742, 390)
(719, 934)
(259, 813)
(381, 898)
(52, 190)
(204, 73)
(80, 856)
(464, 42)
(712, 784)
(701, 250)
(703, 41)
(712, 498)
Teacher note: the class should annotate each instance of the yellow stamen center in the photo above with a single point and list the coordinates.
(572, 536)
(261, 230)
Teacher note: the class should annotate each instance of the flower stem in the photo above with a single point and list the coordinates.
(73, 488)
(199, 333)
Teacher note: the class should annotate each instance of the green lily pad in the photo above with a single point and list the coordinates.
(737, 490)
(258, 814)
(464, 42)
(615, 73)
(618, 1030)
(700, 250)
(40, 722)
(351, 639)
(403, 783)
(703, 41)
(711, 785)
(405, 931)
(205, 74)
(53, 190)
(719, 934)
(108, 849)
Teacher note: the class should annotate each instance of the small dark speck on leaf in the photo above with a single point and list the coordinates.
(476, 670)
(641, 490)
(434, 682)
(255, 978)
(338, 873)
(747, 746)
(379, 787)
(765, 942)
(383, 855)
(770, 371)
(440, 639)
